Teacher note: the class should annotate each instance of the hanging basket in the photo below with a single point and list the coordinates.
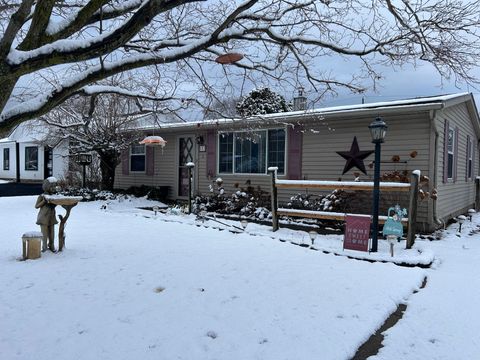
(154, 141)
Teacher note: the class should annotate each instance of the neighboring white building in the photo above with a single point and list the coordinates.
(24, 157)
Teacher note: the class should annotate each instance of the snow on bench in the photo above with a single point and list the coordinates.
(325, 215)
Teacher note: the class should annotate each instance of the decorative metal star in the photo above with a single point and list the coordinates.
(355, 157)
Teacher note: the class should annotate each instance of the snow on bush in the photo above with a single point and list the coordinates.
(249, 202)
(262, 101)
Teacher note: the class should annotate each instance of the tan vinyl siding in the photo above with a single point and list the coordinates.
(454, 198)
(165, 174)
(320, 161)
(406, 133)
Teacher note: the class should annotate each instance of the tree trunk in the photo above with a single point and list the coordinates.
(108, 163)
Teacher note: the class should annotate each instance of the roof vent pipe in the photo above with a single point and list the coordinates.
(300, 101)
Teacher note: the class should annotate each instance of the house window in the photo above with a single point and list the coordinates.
(225, 160)
(31, 158)
(469, 158)
(276, 149)
(450, 153)
(6, 159)
(251, 152)
(137, 158)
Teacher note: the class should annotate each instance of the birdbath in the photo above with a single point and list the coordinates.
(67, 202)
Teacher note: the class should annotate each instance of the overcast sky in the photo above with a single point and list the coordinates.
(406, 83)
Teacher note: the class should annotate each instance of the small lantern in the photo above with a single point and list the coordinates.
(155, 209)
(244, 224)
(313, 235)
(378, 130)
(461, 219)
(199, 220)
(471, 212)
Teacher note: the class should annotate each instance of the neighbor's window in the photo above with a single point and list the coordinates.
(31, 158)
(470, 158)
(6, 159)
(137, 157)
(451, 147)
(251, 152)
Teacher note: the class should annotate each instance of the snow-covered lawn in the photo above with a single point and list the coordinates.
(129, 286)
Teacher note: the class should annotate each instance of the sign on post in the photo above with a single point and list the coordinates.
(357, 232)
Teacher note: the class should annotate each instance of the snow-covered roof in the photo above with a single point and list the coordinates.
(29, 131)
(429, 102)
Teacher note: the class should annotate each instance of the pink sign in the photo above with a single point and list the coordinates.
(357, 232)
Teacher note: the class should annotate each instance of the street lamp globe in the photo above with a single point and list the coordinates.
(378, 130)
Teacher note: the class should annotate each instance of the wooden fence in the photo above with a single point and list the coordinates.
(412, 187)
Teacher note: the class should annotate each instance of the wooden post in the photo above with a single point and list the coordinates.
(273, 173)
(477, 193)
(412, 208)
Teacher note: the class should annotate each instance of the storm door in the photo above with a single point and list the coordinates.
(186, 152)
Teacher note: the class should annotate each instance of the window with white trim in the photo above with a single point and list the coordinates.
(137, 158)
(6, 159)
(469, 158)
(251, 152)
(31, 158)
(450, 153)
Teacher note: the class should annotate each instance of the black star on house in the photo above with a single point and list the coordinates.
(355, 157)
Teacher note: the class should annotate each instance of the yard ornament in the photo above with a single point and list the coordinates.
(46, 215)
(393, 225)
(355, 157)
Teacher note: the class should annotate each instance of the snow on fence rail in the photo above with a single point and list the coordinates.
(340, 185)
(343, 185)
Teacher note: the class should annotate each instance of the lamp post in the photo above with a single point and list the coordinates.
(378, 130)
(84, 160)
(190, 166)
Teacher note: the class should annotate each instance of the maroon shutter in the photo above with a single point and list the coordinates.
(455, 155)
(125, 161)
(211, 153)
(150, 160)
(294, 156)
(445, 151)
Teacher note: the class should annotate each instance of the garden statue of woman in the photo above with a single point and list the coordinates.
(46, 215)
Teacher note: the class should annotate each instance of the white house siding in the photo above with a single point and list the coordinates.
(60, 160)
(455, 198)
(164, 169)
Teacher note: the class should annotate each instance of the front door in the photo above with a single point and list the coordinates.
(186, 151)
(47, 162)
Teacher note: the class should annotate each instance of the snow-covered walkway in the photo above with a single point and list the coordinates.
(132, 287)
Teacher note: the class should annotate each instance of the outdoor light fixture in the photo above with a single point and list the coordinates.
(244, 223)
(471, 212)
(313, 235)
(378, 130)
(83, 159)
(461, 219)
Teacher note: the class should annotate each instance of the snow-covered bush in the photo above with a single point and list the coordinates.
(262, 101)
(89, 194)
(249, 202)
(335, 201)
